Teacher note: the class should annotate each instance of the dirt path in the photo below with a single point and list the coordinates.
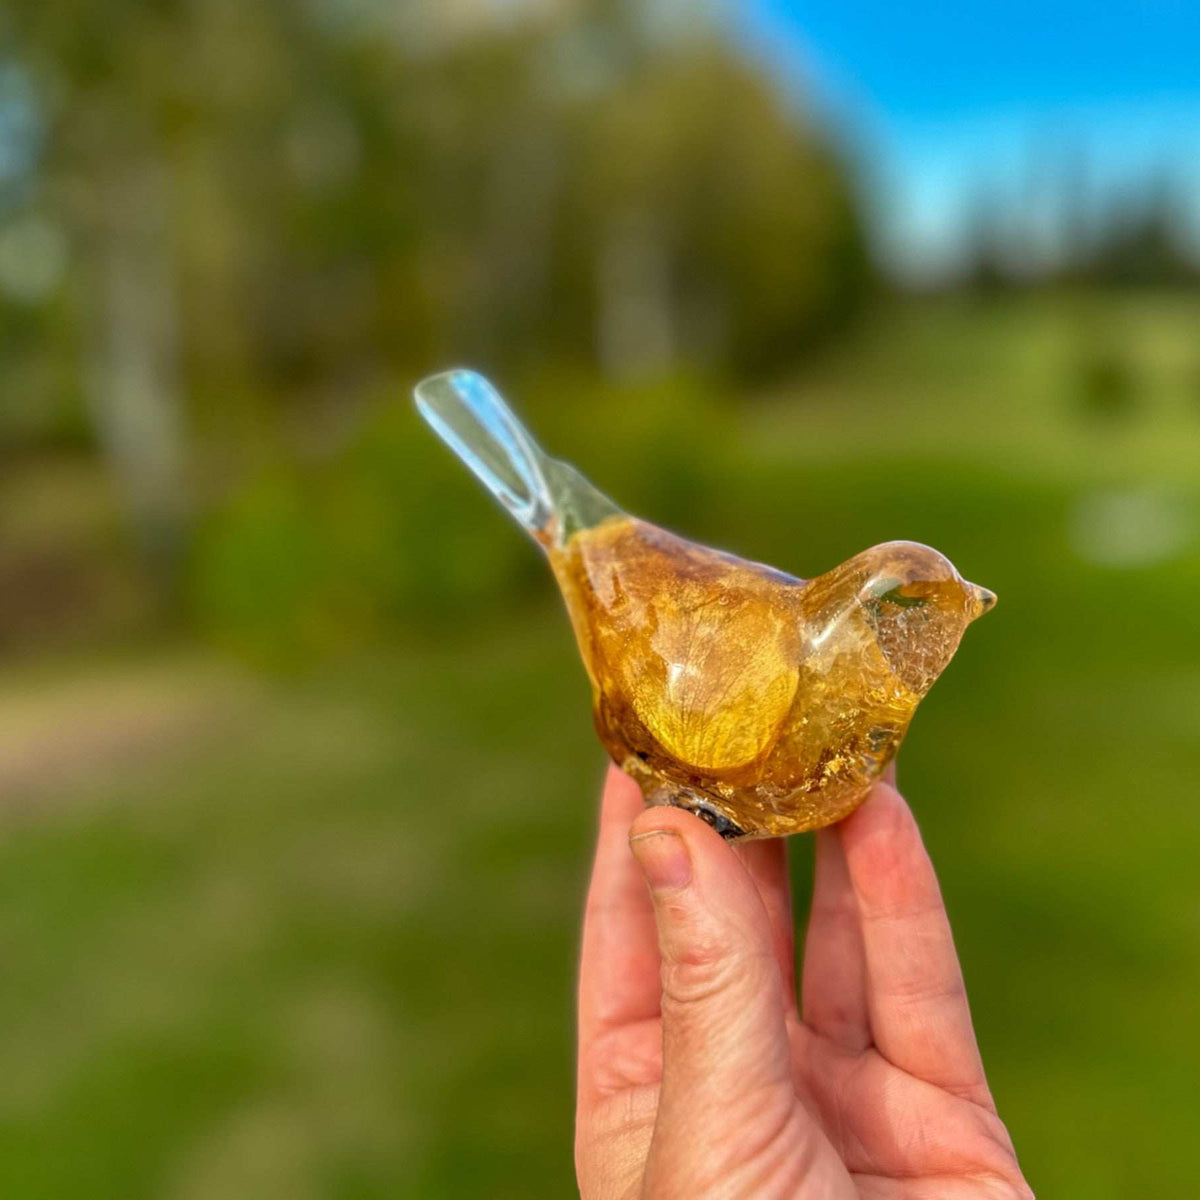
(57, 729)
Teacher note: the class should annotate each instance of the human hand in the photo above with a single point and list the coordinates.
(700, 1077)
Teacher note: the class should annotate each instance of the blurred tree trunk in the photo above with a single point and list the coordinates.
(133, 376)
(635, 311)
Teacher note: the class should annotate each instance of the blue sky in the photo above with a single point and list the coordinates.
(943, 98)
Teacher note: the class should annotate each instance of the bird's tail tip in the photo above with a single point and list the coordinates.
(471, 417)
(550, 499)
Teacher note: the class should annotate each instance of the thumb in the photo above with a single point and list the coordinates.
(725, 1043)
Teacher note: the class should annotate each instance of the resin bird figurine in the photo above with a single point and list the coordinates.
(763, 703)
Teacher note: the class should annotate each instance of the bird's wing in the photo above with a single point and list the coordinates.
(722, 678)
(704, 647)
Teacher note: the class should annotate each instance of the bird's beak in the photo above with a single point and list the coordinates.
(981, 600)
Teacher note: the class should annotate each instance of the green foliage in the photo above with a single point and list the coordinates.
(339, 201)
(751, 209)
(1106, 385)
(266, 212)
(649, 446)
(302, 564)
(261, 570)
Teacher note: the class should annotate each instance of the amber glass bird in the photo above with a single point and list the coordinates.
(764, 703)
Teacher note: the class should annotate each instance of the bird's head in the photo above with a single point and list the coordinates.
(918, 607)
(910, 575)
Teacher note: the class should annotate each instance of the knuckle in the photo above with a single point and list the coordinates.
(696, 975)
(701, 953)
(708, 968)
(920, 991)
(904, 909)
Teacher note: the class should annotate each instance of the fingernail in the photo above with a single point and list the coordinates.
(663, 857)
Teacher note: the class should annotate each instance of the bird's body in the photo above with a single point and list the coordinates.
(765, 703)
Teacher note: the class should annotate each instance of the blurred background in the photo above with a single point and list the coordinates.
(297, 777)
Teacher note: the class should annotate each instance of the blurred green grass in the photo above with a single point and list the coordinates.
(316, 937)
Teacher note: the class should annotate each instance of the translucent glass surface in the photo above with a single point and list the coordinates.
(765, 703)
(549, 498)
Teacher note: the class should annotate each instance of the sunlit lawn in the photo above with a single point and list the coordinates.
(316, 937)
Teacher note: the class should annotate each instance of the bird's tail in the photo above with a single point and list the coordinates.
(550, 499)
